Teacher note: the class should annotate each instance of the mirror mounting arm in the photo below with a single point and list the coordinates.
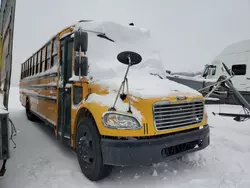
(130, 59)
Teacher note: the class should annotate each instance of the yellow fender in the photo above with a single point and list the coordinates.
(97, 111)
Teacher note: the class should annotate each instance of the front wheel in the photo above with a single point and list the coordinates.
(88, 150)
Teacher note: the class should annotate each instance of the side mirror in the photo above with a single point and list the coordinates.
(81, 66)
(81, 41)
(129, 58)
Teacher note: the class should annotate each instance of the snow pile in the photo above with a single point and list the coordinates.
(104, 68)
(108, 100)
(197, 78)
(148, 86)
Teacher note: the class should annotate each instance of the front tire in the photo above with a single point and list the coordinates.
(88, 150)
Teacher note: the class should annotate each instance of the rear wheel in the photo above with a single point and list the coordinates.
(29, 114)
(88, 150)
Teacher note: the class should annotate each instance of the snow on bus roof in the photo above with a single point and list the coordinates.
(105, 69)
(108, 27)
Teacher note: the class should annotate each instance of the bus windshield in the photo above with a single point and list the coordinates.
(102, 53)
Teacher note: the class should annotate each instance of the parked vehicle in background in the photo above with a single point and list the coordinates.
(237, 58)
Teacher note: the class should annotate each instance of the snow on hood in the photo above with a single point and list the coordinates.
(108, 100)
(104, 68)
(148, 86)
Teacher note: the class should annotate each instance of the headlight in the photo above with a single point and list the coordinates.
(115, 120)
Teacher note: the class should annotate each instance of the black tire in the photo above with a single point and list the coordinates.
(88, 150)
(29, 114)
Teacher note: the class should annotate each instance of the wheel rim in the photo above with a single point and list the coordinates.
(85, 147)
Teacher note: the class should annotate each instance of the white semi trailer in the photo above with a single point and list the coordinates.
(237, 58)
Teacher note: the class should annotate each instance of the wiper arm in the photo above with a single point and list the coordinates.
(156, 75)
(99, 34)
(102, 35)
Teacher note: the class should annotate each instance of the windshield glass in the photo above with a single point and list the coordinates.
(102, 53)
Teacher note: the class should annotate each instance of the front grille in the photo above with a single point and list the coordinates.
(173, 150)
(172, 115)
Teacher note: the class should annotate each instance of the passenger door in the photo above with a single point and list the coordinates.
(64, 97)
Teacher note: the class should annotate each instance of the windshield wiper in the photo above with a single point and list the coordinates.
(156, 75)
(99, 34)
(102, 35)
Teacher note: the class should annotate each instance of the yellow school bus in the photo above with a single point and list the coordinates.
(101, 86)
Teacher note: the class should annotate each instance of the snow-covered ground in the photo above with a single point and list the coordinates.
(39, 161)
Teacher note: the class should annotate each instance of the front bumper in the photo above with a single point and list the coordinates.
(153, 150)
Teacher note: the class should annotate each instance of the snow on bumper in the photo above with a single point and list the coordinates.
(154, 150)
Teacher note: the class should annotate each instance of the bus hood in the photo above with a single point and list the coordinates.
(147, 86)
(144, 91)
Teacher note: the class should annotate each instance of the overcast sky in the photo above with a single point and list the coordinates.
(189, 33)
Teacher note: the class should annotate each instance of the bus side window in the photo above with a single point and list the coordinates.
(42, 60)
(54, 59)
(21, 76)
(30, 66)
(28, 69)
(39, 61)
(34, 64)
(24, 70)
(69, 59)
(48, 55)
(77, 94)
